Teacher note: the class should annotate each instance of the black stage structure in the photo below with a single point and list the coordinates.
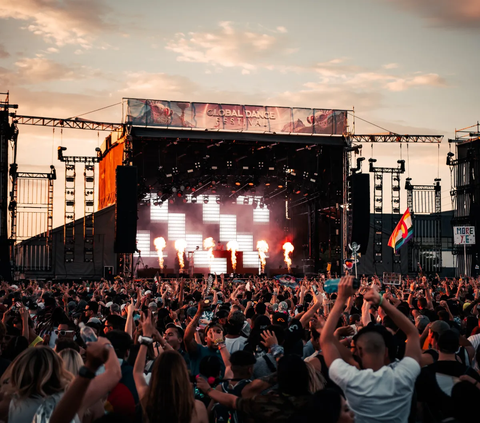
(238, 173)
(298, 181)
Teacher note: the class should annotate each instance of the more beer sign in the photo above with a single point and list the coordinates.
(464, 235)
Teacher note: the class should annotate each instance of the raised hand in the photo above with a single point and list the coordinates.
(268, 338)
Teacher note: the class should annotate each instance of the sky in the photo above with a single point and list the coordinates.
(407, 66)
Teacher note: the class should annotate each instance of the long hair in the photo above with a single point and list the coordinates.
(38, 371)
(170, 395)
(72, 360)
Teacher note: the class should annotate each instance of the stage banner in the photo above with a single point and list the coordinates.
(235, 117)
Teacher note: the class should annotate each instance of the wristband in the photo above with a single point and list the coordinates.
(86, 373)
(276, 350)
(381, 301)
(145, 340)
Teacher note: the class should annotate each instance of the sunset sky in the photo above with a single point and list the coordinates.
(410, 66)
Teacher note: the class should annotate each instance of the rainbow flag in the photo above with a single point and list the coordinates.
(402, 232)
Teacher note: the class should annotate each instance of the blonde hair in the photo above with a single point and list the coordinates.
(37, 371)
(72, 360)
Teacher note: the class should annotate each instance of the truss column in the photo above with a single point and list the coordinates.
(378, 218)
(69, 228)
(50, 219)
(396, 258)
(411, 245)
(438, 223)
(345, 209)
(89, 206)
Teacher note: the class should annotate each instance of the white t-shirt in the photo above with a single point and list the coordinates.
(475, 341)
(235, 344)
(383, 396)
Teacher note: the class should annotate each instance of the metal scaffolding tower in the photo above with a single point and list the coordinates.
(425, 204)
(89, 204)
(378, 218)
(31, 214)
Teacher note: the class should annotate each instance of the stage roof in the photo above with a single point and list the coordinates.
(327, 140)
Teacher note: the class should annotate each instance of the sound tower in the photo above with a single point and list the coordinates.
(360, 183)
(126, 209)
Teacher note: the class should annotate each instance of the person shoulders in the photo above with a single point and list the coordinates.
(474, 340)
(200, 415)
(407, 365)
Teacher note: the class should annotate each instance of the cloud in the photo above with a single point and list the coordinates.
(60, 22)
(337, 72)
(229, 46)
(40, 69)
(390, 66)
(157, 86)
(464, 14)
(3, 53)
(430, 79)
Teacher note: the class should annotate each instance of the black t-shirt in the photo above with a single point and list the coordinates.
(437, 402)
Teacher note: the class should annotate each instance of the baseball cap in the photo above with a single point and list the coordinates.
(439, 326)
(422, 322)
(115, 308)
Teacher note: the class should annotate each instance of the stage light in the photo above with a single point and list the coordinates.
(205, 199)
(155, 203)
(297, 191)
(174, 189)
(238, 183)
(218, 199)
(280, 186)
(182, 187)
(179, 194)
(250, 184)
(194, 199)
(245, 200)
(171, 200)
(262, 203)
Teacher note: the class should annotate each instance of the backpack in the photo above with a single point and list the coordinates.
(222, 414)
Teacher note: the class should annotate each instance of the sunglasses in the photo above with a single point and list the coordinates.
(64, 332)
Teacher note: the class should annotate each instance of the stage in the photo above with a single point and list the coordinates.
(198, 179)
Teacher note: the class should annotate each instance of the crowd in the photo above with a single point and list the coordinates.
(257, 350)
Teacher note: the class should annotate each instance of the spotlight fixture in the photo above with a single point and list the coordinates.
(194, 199)
(280, 186)
(245, 200)
(238, 183)
(205, 199)
(218, 199)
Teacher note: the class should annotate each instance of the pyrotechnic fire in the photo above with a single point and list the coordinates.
(288, 249)
(262, 248)
(160, 244)
(233, 247)
(209, 244)
(180, 245)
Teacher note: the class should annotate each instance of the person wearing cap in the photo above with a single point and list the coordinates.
(233, 339)
(115, 309)
(214, 339)
(436, 381)
(376, 392)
